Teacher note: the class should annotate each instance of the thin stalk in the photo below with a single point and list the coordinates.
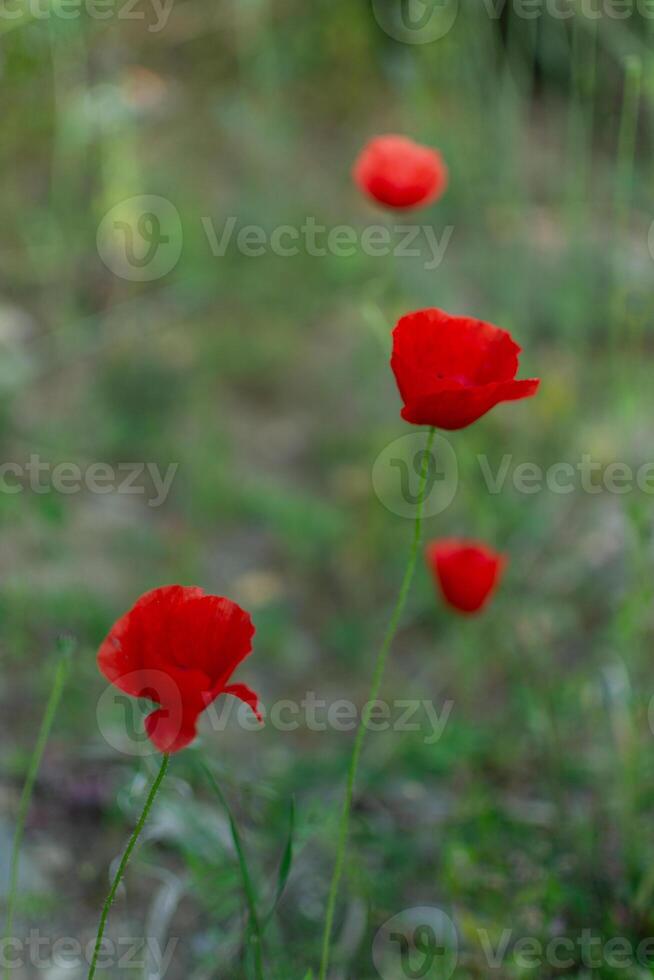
(577, 122)
(590, 81)
(627, 138)
(124, 861)
(248, 887)
(375, 687)
(61, 675)
(624, 188)
(579, 201)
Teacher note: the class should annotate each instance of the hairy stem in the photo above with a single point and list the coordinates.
(375, 687)
(124, 861)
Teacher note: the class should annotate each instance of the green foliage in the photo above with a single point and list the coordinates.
(266, 380)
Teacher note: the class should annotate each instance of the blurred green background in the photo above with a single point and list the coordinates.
(265, 381)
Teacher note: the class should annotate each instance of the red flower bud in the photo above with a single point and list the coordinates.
(468, 572)
(398, 173)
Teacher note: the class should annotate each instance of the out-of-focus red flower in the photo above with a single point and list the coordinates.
(451, 370)
(399, 173)
(178, 647)
(468, 572)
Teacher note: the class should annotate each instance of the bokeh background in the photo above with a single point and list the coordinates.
(265, 381)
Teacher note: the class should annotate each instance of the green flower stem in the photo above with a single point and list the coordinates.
(61, 675)
(375, 687)
(125, 861)
(626, 159)
(633, 76)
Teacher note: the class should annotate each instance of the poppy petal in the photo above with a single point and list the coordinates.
(451, 370)
(247, 695)
(178, 647)
(168, 732)
(452, 408)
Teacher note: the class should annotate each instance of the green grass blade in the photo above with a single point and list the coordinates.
(248, 887)
(66, 647)
(285, 863)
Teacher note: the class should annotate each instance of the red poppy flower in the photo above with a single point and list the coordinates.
(468, 572)
(399, 173)
(178, 647)
(451, 370)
